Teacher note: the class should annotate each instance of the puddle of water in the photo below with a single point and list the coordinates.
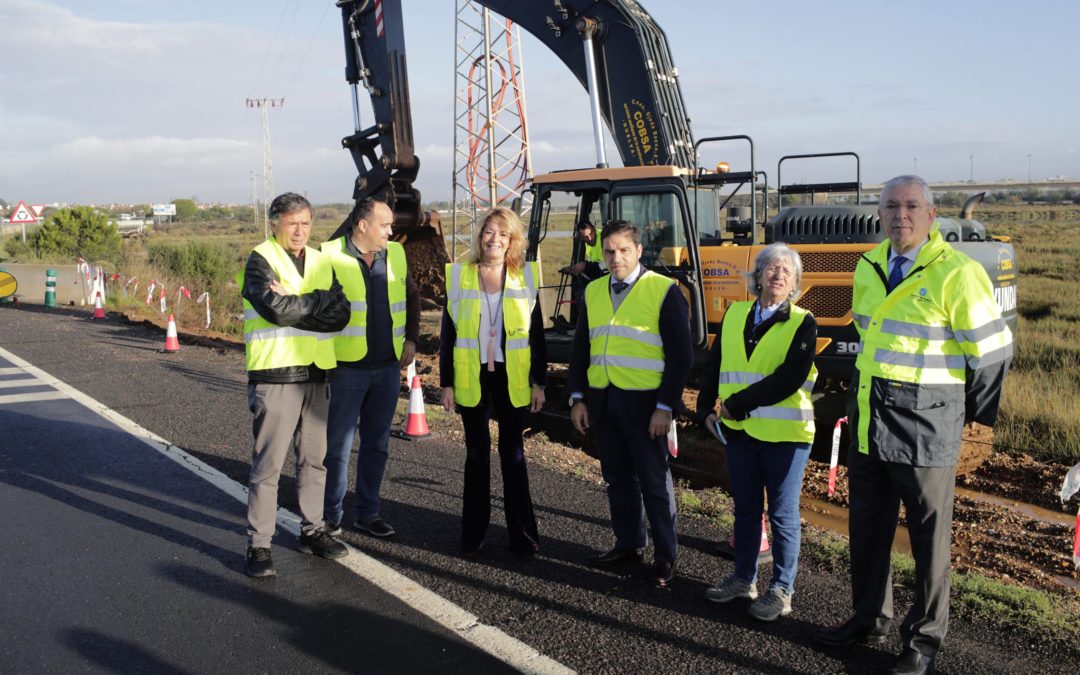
(830, 516)
(1029, 510)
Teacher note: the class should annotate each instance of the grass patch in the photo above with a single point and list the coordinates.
(1042, 391)
(1027, 610)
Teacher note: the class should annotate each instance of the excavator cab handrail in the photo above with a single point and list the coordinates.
(814, 188)
(740, 178)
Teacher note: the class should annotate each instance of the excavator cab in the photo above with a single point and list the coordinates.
(651, 197)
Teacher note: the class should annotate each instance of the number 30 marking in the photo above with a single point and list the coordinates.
(847, 347)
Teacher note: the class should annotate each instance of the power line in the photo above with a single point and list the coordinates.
(288, 87)
(270, 46)
(284, 46)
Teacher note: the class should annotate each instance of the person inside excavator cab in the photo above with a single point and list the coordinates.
(590, 268)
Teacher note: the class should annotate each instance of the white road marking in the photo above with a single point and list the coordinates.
(33, 396)
(11, 371)
(21, 382)
(462, 623)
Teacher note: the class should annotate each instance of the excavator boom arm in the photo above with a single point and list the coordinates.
(640, 98)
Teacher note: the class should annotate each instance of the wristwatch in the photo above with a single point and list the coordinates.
(574, 399)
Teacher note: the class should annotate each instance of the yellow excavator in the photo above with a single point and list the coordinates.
(701, 225)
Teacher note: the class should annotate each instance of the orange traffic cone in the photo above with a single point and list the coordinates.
(726, 549)
(172, 343)
(764, 548)
(99, 309)
(416, 425)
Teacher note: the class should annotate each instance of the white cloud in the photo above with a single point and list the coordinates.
(175, 152)
(44, 27)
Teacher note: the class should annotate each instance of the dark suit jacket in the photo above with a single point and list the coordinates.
(678, 358)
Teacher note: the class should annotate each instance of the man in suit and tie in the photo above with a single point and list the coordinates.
(628, 366)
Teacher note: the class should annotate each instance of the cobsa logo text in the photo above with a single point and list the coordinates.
(725, 269)
(717, 272)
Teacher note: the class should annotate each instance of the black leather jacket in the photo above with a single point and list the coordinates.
(321, 311)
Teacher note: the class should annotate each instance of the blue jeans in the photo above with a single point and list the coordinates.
(777, 469)
(371, 395)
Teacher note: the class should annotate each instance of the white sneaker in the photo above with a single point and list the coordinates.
(774, 604)
(731, 588)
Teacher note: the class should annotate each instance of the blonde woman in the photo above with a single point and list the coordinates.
(492, 359)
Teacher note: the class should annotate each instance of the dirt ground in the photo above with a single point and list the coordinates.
(1008, 525)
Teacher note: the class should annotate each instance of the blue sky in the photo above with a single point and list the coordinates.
(143, 100)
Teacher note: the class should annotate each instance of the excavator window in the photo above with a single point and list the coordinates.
(659, 218)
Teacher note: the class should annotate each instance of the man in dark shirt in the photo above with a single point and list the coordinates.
(628, 365)
(379, 340)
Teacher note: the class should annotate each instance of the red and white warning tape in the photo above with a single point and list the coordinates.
(205, 296)
(1069, 487)
(834, 459)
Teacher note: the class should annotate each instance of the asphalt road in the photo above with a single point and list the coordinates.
(591, 621)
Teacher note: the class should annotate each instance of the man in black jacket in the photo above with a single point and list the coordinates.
(629, 363)
(292, 305)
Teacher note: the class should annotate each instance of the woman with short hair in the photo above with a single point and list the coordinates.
(762, 369)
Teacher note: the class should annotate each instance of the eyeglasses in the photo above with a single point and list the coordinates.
(893, 207)
(779, 270)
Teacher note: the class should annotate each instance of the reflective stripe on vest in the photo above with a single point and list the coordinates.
(351, 342)
(625, 348)
(268, 345)
(463, 305)
(940, 322)
(790, 420)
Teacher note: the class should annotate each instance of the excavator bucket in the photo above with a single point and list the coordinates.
(420, 233)
(425, 251)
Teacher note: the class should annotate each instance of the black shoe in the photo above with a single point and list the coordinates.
(523, 551)
(662, 574)
(911, 662)
(850, 633)
(323, 545)
(615, 556)
(333, 529)
(375, 527)
(258, 563)
(472, 552)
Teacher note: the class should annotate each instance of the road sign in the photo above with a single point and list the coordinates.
(22, 215)
(38, 209)
(8, 285)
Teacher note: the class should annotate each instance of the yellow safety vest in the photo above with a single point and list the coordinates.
(463, 304)
(594, 252)
(941, 320)
(789, 420)
(269, 345)
(625, 348)
(351, 342)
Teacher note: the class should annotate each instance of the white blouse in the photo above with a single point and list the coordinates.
(494, 300)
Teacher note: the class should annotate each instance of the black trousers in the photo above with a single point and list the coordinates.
(635, 467)
(877, 489)
(517, 503)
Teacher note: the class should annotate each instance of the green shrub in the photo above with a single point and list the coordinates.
(80, 231)
(18, 250)
(198, 263)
